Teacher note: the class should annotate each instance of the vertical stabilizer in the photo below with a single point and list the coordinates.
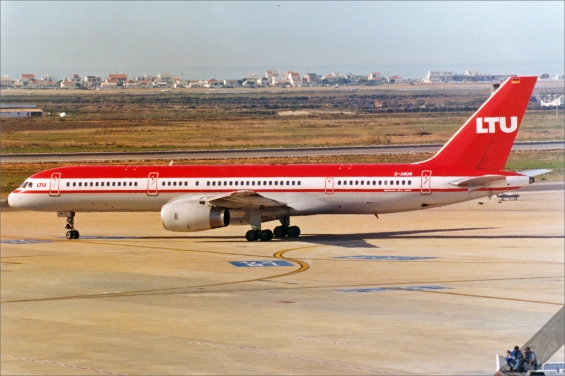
(485, 140)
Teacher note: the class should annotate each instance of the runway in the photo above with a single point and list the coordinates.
(253, 153)
(437, 291)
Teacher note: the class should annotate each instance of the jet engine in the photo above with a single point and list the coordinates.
(190, 216)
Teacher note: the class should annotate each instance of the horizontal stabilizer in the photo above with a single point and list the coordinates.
(477, 182)
(535, 172)
(243, 199)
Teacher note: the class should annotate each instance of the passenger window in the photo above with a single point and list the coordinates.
(356, 182)
(403, 182)
(80, 184)
(174, 183)
(397, 182)
(236, 183)
(97, 184)
(119, 184)
(362, 182)
(197, 184)
(253, 182)
(270, 183)
(231, 183)
(68, 184)
(392, 182)
(293, 182)
(113, 184)
(276, 183)
(409, 182)
(385, 182)
(102, 183)
(214, 183)
(299, 182)
(258, 183)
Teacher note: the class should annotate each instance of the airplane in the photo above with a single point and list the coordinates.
(196, 198)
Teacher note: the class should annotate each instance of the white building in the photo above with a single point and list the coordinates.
(92, 81)
(439, 76)
(74, 78)
(130, 84)
(68, 85)
(48, 77)
(166, 77)
(26, 77)
(375, 76)
(351, 78)
(231, 83)
(294, 78)
(20, 110)
(6, 83)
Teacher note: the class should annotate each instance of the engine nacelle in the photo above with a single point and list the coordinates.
(190, 216)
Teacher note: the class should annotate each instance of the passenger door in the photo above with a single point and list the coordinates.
(329, 186)
(426, 185)
(54, 184)
(152, 184)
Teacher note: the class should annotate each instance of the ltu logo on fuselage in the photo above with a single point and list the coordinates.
(490, 126)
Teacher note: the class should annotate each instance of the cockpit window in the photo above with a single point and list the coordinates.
(30, 185)
(24, 184)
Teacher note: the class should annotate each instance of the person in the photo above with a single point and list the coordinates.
(514, 359)
(530, 359)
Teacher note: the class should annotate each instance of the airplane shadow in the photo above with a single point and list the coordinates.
(358, 240)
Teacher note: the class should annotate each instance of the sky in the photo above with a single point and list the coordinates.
(223, 38)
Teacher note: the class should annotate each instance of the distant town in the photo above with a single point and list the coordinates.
(271, 78)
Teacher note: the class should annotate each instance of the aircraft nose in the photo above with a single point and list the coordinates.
(8, 199)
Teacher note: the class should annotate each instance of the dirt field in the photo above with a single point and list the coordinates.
(124, 120)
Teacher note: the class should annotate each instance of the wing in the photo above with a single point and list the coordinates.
(244, 200)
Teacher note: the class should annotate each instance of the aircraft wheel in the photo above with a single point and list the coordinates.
(252, 235)
(293, 231)
(266, 235)
(280, 231)
(75, 234)
(69, 235)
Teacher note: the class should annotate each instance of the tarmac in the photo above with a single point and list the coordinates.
(438, 291)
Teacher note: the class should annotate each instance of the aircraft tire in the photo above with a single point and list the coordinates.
(69, 235)
(252, 235)
(293, 231)
(280, 231)
(75, 234)
(266, 236)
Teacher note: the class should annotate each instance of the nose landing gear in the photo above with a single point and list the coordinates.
(70, 226)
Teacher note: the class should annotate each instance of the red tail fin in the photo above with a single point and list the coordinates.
(485, 141)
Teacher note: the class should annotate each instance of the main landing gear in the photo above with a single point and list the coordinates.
(70, 226)
(278, 232)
